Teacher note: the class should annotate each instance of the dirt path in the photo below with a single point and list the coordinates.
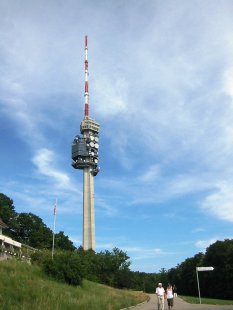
(179, 304)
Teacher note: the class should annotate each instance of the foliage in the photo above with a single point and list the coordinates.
(64, 267)
(107, 267)
(39, 257)
(8, 215)
(111, 266)
(32, 231)
(63, 242)
(148, 282)
(220, 256)
(88, 261)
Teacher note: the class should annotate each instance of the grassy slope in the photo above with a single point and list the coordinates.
(209, 301)
(25, 287)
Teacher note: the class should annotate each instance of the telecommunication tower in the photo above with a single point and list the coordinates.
(85, 153)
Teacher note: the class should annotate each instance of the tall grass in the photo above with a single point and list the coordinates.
(26, 287)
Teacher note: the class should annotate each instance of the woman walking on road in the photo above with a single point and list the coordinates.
(170, 297)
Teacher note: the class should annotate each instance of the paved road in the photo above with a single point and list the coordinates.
(179, 304)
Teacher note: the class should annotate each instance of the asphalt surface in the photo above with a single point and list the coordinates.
(179, 304)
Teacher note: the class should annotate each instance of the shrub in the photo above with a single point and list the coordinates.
(64, 267)
(39, 257)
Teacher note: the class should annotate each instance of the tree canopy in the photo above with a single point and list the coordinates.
(8, 215)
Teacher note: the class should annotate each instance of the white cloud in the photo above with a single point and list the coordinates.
(203, 244)
(187, 183)
(140, 253)
(40, 197)
(152, 174)
(44, 161)
(110, 95)
(104, 246)
(105, 207)
(159, 186)
(198, 229)
(152, 251)
(228, 82)
(220, 202)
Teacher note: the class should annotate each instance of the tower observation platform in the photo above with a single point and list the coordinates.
(85, 156)
(85, 148)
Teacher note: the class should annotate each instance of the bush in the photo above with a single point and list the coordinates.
(39, 257)
(111, 268)
(64, 267)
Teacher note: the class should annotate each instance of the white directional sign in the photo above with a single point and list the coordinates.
(205, 268)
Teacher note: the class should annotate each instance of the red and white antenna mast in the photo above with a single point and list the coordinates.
(86, 94)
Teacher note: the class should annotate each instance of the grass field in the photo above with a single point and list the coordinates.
(25, 287)
(208, 301)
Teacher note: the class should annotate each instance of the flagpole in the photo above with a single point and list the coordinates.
(54, 225)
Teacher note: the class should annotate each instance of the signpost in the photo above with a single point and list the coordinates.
(205, 268)
(202, 269)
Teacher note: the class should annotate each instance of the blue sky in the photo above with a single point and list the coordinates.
(161, 86)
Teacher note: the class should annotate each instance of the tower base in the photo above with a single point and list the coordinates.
(88, 210)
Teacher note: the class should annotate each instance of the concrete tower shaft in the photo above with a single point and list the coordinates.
(88, 210)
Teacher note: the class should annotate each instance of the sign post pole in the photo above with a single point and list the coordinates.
(202, 269)
(199, 293)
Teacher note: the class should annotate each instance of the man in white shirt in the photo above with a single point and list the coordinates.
(160, 296)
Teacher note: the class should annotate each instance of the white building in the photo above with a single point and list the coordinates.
(8, 246)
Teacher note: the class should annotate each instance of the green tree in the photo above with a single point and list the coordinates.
(122, 273)
(121, 259)
(138, 280)
(32, 231)
(63, 242)
(8, 215)
(150, 282)
(218, 283)
(111, 265)
(162, 277)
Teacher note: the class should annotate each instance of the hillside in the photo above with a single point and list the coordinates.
(24, 286)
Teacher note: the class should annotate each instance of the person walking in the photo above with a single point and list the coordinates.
(160, 292)
(170, 297)
(174, 290)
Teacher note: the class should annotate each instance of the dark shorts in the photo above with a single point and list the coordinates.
(170, 302)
